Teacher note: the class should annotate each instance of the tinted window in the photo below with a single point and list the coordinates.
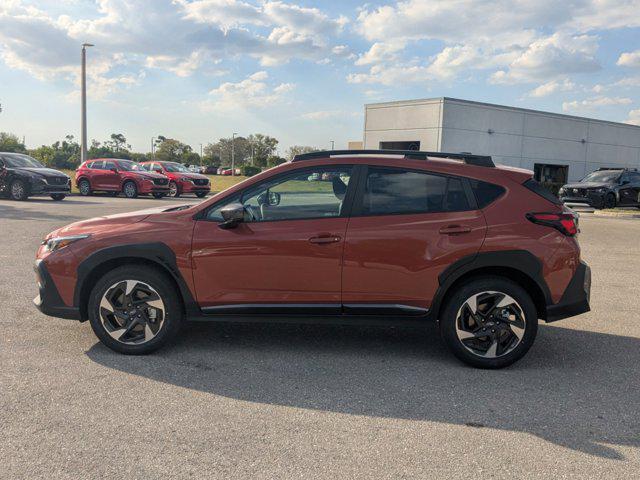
(394, 191)
(19, 160)
(535, 187)
(306, 194)
(109, 165)
(485, 193)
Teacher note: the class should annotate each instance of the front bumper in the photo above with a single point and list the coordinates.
(189, 187)
(48, 300)
(153, 188)
(47, 188)
(592, 199)
(575, 299)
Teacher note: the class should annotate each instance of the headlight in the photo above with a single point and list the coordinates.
(185, 179)
(562, 191)
(56, 243)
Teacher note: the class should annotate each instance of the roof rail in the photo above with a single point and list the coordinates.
(477, 160)
(617, 168)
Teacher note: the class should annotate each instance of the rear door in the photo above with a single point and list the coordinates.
(407, 226)
(630, 188)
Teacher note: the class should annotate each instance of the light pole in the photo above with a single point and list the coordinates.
(200, 154)
(153, 147)
(83, 80)
(233, 153)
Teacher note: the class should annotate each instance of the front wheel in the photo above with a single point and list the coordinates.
(489, 322)
(58, 196)
(173, 190)
(135, 310)
(610, 201)
(85, 188)
(130, 190)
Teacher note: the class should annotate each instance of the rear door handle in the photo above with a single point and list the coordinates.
(455, 229)
(322, 239)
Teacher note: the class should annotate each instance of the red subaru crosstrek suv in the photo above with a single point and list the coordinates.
(119, 176)
(181, 179)
(342, 236)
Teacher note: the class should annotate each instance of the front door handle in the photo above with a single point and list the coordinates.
(455, 229)
(322, 239)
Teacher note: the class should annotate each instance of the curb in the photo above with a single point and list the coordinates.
(619, 214)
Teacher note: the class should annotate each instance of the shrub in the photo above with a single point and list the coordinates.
(249, 170)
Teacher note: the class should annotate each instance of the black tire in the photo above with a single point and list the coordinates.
(158, 195)
(130, 189)
(201, 194)
(158, 281)
(610, 200)
(58, 196)
(174, 191)
(18, 190)
(85, 187)
(517, 349)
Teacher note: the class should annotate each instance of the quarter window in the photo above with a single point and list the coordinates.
(395, 191)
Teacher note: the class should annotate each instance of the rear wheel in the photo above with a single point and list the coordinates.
(173, 190)
(130, 190)
(58, 196)
(18, 190)
(85, 187)
(135, 310)
(489, 322)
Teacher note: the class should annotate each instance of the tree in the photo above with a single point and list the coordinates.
(172, 150)
(298, 150)
(10, 143)
(262, 147)
(65, 154)
(117, 141)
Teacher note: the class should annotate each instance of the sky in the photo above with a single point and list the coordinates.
(199, 70)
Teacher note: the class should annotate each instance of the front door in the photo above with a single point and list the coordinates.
(287, 253)
(405, 229)
(110, 179)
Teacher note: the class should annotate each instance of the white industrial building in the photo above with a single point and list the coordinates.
(558, 148)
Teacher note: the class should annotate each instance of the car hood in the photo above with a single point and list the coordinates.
(147, 174)
(41, 172)
(108, 223)
(585, 185)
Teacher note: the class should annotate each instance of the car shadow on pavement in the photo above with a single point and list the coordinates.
(9, 212)
(576, 389)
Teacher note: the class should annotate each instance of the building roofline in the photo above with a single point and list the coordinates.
(499, 107)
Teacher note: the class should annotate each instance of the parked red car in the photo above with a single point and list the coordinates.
(392, 237)
(181, 179)
(114, 176)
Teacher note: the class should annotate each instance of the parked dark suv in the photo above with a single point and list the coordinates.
(22, 176)
(343, 236)
(605, 188)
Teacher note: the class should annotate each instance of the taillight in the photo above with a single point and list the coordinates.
(566, 223)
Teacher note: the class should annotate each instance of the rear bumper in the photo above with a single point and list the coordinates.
(575, 299)
(48, 300)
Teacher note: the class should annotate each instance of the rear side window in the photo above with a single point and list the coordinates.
(396, 191)
(485, 192)
(538, 189)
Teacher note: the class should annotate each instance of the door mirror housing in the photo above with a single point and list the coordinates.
(233, 214)
(114, 170)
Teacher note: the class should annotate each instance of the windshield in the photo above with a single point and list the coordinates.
(128, 165)
(603, 176)
(18, 160)
(175, 167)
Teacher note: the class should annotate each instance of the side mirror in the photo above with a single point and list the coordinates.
(114, 170)
(269, 198)
(233, 214)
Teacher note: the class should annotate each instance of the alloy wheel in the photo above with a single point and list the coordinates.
(132, 312)
(17, 190)
(490, 324)
(130, 190)
(85, 188)
(173, 189)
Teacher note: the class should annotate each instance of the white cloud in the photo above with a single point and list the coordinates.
(634, 117)
(551, 87)
(591, 104)
(629, 59)
(252, 92)
(379, 52)
(391, 75)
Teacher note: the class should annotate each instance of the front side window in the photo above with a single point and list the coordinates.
(310, 193)
(109, 165)
(396, 191)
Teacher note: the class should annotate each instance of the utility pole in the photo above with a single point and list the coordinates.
(332, 144)
(83, 81)
(233, 153)
(153, 147)
(200, 154)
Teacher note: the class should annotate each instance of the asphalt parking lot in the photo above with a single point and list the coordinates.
(278, 401)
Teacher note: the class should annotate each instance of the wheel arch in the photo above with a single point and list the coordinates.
(155, 255)
(519, 266)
